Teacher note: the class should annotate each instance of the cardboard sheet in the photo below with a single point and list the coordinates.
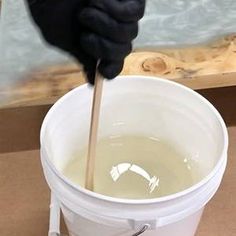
(24, 197)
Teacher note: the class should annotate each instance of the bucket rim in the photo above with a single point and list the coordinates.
(147, 201)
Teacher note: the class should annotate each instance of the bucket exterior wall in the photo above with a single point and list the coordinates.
(80, 226)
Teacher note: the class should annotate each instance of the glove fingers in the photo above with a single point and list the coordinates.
(90, 75)
(124, 11)
(90, 71)
(101, 48)
(88, 62)
(110, 69)
(106, 26)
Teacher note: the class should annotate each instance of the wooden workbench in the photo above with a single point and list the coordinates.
(205, 67)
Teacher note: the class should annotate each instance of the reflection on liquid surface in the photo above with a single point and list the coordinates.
(135, 167)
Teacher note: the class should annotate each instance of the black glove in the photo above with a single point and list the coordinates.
(90, 30)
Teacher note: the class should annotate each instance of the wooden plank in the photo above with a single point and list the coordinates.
(19, 127)
(204, 67)
(43, 86)
(197, 67)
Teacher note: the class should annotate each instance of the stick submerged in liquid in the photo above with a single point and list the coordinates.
(97, 97)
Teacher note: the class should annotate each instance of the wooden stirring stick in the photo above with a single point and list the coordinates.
(97, 96)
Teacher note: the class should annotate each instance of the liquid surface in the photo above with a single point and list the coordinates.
(135, 167)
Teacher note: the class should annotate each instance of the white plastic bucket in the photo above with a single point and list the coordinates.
(141, 105)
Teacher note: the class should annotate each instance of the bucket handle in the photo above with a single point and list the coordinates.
(142, 230)
(54, 224)
(54, 221)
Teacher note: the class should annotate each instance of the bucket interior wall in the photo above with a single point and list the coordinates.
(161, 110)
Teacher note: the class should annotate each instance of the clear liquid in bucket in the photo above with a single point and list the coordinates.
(135, 167)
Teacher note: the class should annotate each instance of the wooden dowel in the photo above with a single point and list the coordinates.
(90, 168)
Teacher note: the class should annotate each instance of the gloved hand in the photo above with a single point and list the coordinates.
(90, 30)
